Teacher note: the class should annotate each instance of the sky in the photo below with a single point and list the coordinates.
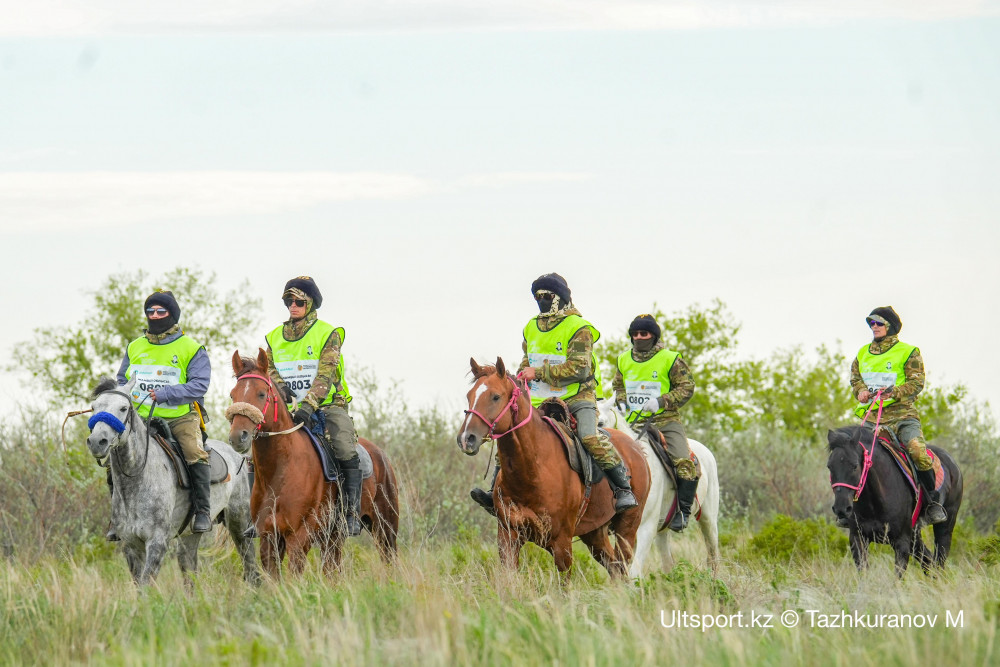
(425, 161)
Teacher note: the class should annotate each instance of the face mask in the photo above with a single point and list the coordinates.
(156, 327)
(644, 345)
(545, 304)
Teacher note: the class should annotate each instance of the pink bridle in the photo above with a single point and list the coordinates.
(869, 452)
(272, 395)
(512, 406)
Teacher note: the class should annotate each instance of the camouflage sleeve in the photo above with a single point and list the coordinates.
(524, 359)
(681, 385)
(327, 374)
(857, 384)
(577, 366)
(913, 377)
(272, 372)
(618, 384)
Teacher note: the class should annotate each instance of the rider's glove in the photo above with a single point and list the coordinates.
(651, 405)
(302, 415)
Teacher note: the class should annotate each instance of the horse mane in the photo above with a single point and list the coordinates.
(105, 384)
(845, 435)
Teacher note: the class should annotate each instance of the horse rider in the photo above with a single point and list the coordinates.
(652, 384)
(304, 361)
(897, 369)
(172, 373)
(559, 362)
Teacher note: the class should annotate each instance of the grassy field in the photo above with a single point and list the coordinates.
(447, 604)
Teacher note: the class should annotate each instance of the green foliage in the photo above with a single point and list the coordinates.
(784, 540)
(66, 361)
(687, 584)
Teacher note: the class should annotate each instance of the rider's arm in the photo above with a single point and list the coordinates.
(618, 385)
(578, 364)
(857, 384)
(122, 380)
(199, 374)
(327, 374)
(524, 360)
(681, 386)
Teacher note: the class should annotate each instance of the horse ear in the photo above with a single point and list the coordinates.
(237, 363)
(262, 360)
(501, 369)
(476, 368)
(127, 387)
(831, 436)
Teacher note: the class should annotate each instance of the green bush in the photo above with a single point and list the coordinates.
(784, 539)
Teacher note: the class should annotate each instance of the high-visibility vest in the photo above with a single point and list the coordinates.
(297, 361)
(154, 366)
(551, 346)
(880, 371)
(645, 379)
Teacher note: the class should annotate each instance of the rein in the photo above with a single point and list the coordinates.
(512, 406)
(256, 415)
(869, 452)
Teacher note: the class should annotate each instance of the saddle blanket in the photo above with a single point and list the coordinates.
(329, 464)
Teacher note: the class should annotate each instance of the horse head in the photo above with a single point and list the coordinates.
(848, 463)
(609, 416)
(493, 401)
(252, 396)
(110, 424)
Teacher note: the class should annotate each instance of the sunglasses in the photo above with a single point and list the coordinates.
(873, 323)
(298, 302)
(156, 311)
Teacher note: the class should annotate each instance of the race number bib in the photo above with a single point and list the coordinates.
(637, 392)
(298, 375)
(539, 388)
(150, 378)
(876, 381)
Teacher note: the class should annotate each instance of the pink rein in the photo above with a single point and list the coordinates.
(869, 453)
(512, 406)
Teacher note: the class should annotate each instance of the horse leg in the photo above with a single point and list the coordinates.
(600, 547)
(509, 543)
(236, 522)
(384, 527)
(922, 553)
(561, 549)
(710, 532)
(156, 549)
(643, 543)
(272, 552)
(187, 558)
(903, 547)
(332, 549)
(942, 539)
(134, 559)
(298, 544)
(663, 545)
(859, 549)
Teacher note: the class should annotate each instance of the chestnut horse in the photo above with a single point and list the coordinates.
(292, 504)
(538, 497)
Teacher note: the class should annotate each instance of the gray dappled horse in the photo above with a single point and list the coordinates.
(148, 507)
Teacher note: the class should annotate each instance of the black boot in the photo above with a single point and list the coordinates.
(351, 494)
(201, 496)
(934, 511)
(251, 531)
(619, 479)
(111, 535)
(485, 498)
(685, 496)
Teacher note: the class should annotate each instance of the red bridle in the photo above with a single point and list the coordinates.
(272, 395)
(869, 452)
(512, 406)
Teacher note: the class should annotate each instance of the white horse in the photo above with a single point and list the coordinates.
(148, 507)
(662, 493)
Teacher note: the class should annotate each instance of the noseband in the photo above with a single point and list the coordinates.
(255, 414)
(512, 406)
(866, 464)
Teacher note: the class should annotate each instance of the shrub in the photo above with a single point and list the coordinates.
(783, 539)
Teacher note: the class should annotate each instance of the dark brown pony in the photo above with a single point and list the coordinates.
(292, 504)
(538, 497)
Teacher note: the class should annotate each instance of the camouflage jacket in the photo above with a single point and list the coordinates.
(326, 375)
(906, 393)
(578, 366)
(681, 387)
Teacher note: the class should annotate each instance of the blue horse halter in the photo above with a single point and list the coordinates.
(108, 419)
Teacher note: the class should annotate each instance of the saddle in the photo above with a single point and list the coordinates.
(557, 415)
(654, 437)
(331, 471)
(160, 431)
(887, 439)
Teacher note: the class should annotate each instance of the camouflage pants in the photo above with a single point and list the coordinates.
(911, 435)
(340, 432)
(678, 450)
(187, 430)
(596, 442)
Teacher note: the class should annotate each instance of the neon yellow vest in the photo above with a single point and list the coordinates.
(598, 380)
(880, 371)
(551, 346)
(156, 366)
(645, 379)
(297, 361)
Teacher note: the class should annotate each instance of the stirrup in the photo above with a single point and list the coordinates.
(353, 525)
(202, 523)
(624, 500)
(112, 536)
(679, 521)
(251, 532)
(935, 513)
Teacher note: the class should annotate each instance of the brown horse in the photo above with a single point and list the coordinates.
(538, 497)
(292, 504)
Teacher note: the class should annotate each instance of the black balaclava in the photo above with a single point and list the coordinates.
(551, 282)
(644, 322)
(164, 299)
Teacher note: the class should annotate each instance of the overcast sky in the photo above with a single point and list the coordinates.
(425, 161)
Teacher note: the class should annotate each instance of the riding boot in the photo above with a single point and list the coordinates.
(619, 479)
(934, 511)
(251, 531)
(111, 535)
(351, 498)
(201, 496)
(485, 498)
(685, 496)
